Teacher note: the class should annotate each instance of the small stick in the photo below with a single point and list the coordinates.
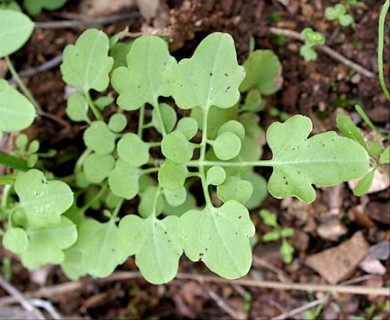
(50, 292)
(47, 306)
(300, 309)
(332, 53)
(87, 22)
(20, 298)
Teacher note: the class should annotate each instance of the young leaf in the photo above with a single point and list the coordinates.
(233, 126)
(188, 204)
(385, 156)
(99, 138)
(46, 244)
(133, 150)
(211, 77)
(15, 29)
(271, 236)
(16, 111)
(43, 201)
(177, 148)
(298, 162)
(259, 193)
(168, 115)
(235, 188)
(86, 64)
(35, 7)
(227, 146)
(364, 184)
(172, 176)
(287, 251)
(151, 202)
(220, 238)
(147, 75)
(254, 102)
(123, 180)
(98, 167)
(263, 72)
(188, 127)
(117, 122)
(349, 129)
(287, 232)
(269, 218)
(216, 175)
(15, 240)
(72, 265)
(99, 246)
(77, 108)
(156, 244)
(175, 198)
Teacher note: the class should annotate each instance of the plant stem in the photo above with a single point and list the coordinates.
(81, 159)
(22, 87)
(203, 146)
(149, 170)
(381, 40)
(117, 208)
(368, 121)
(260, 163)
(160, 118)
(5, 196)
(141, 120)
(12, 161)
(95, 198)
(7, 180)
(93, 107)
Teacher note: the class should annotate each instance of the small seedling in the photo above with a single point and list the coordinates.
(339, 13)
(217, 148)
(286, 249)
(312, 39)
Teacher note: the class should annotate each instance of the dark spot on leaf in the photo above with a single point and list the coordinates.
(286, 183)
(165, 63)
(226, 75)
(299, 172)
(113, 249)
(293, 149)
(169, 240)
(332, 140)
(211, 74)
(201, 254)
(239, 217)
(236, 233)
(205, 249)
(165, 232)
(155, 224)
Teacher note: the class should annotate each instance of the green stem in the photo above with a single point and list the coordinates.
(117, 208)
(201, 161)
(141, 120)
(93, 107)
(381, 40)
(81, 159)
(22, 87)
(260, 163)
(149, 170)
(155, 201)
(5, 196)
(95, 198)
(368, 121)
(160, 118)
(12, 161)
(9, 179)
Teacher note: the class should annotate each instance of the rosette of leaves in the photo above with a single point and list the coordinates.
(159, 162)
(339, 12)
(312, 39)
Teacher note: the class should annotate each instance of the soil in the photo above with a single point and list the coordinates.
(319, 89)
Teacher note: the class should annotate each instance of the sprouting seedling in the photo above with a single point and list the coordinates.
(216, 148)
(312, 39)
(339, 12)
(277, 232)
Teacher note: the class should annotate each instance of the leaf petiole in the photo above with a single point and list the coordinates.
(12, 161)
(93, 107)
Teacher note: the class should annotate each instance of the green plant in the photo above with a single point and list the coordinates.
(33, 7)
(286, 249)
(312, 39)
(217, 146)
(339, 12)
(379, 155)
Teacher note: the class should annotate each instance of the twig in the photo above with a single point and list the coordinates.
(332, 53)
(17, 296)
(47, 306)
(50, 292)
(259, 262)
(305, 307)
(46, 66)
(87, 22)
